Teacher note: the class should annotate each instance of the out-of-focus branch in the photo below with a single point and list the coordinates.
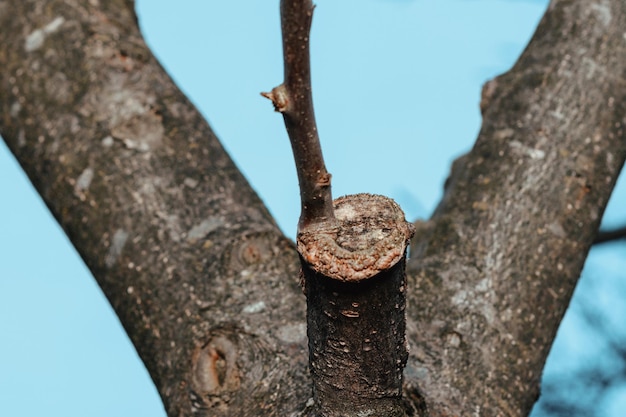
(293, 99)
(605, 236)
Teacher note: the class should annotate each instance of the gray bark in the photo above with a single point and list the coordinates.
(181, 245)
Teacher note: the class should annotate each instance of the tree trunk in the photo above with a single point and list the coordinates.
(206, 285)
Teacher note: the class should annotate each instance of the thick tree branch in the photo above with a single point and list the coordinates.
(191, 261)
(182, 247)
(493, 272)
(294, 100)
(355, 284)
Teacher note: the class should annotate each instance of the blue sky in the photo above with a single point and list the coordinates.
(387, 75)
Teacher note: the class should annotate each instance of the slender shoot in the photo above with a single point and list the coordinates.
(294, 100)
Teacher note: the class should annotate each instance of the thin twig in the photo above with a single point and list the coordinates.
(604, 236)
(293, 99)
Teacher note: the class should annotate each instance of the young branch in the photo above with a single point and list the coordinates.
(293, 99)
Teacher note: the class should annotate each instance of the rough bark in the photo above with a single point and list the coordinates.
(494, 269)
(203, 281)
(352, 254)
(355, 286)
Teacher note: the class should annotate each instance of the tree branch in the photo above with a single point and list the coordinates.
(294, 100)
(492, 274)
(174, 235)
(179, 263)
(605, 236)
(353, 265)
(355, 284)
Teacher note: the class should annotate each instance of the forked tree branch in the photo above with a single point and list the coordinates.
(487, 285)
(293, 99)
